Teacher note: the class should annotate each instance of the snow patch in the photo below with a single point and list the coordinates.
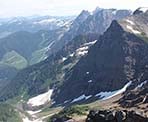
(46, 21)
(140, 85)
(33, 112)
(87, 73)
(82, 51)
(83, 48)
(71, 55)
(107, 95)
(87, 97)
(49, 46)
(40, 99)
(53, 102)
(54, 21)
(28, 120)
(81, 98)
(66, 101)
(64, 58)
(133, 30)
(130, 22)
(90, 43)
(90, 81)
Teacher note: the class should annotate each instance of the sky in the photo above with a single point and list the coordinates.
(10, 8)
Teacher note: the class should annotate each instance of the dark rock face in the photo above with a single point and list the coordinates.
(114, 116)
(61, 119)
(113, 61)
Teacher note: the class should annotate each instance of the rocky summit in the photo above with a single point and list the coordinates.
(114, 116)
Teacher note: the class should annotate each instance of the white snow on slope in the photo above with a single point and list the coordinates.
(90, 81)
(90, 43)
(87, 73)
(46, 21)
(103, 95)
(87, 97)
(71, 55)
(140, 85)
(82, 51)
(49, 46)
(81, 98)
(33, 112)
(130, 22)
(107, 95)
(28, 120)
(66, 101)
(64, 58)
(133, 30)
(83, 48)
(55, 21)
(40, 99)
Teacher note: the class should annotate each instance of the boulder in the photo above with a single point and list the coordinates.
(115, 116)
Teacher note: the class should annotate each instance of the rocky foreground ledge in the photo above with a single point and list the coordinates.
(114, 116)
(105, 116)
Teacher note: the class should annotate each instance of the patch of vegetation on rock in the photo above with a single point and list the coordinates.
(69, 112)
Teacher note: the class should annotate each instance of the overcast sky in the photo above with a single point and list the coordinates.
(62, 7)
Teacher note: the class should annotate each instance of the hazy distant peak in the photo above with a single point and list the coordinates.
(97, 9)
(84, 12)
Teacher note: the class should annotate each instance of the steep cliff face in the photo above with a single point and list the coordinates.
(120, 55)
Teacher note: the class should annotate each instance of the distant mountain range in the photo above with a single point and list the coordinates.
(27, 42)
(32, 24)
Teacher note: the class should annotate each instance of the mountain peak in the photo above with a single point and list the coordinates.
(115, 26)
(84, 12)
(140, 10)
(97, 9)
(82, 16)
